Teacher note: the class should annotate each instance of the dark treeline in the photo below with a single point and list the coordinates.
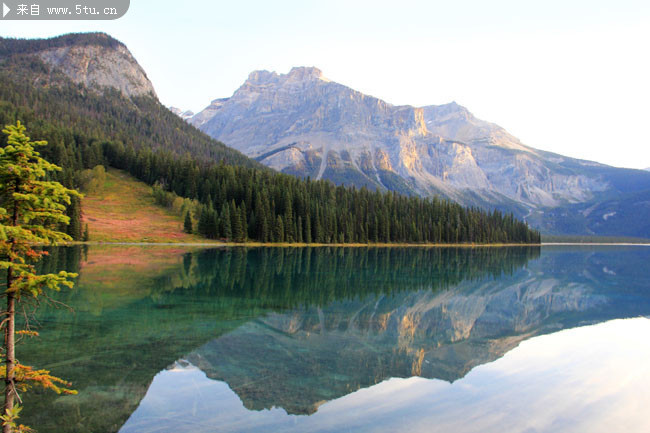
(238, 200)
(12, 46)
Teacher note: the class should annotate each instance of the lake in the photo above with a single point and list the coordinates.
(175, 339)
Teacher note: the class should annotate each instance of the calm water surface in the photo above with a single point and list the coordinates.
(166, 339)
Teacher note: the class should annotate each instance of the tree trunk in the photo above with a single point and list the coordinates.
(10, 351)
(10, 335)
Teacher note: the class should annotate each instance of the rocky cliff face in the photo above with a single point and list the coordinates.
(456, 123)
(95, 66)
(304, 124)
(93, 59)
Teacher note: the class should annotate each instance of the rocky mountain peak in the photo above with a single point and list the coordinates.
(300, 74)
(455, 122)
(303, 102)
(261, 77)
(452, 109)
(304, 73)
(95, 60)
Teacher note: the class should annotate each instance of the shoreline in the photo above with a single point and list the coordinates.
(351, 245)
(297, 244)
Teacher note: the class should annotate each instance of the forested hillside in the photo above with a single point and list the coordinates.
(76, 118)
(234, 197)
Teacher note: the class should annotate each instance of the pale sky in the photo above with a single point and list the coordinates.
(571, 77)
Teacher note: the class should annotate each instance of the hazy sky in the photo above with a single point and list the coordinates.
(571, 77)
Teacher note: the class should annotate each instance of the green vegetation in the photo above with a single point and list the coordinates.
(31, 210)
(187, 223)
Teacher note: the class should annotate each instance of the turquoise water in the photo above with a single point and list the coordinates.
(164, 339)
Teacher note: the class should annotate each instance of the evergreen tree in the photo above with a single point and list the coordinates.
(203, 221)
(225, 221)
(307, 237)
(243, 222)
(73, 211)
(279, 230)
(299, 232)
(212, 229)
(288, 218)
(237, 226)
(187, 224)
(31, 211)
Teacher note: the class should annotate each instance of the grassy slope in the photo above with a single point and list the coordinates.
(126, 212)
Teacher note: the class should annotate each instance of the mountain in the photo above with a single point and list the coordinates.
(79, 90)
(183, 114)
(301, 123)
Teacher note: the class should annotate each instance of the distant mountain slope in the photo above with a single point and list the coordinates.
(304, 124)
(183, 114)
(88, 87)
(618, 215)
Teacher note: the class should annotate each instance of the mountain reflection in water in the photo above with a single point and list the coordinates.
(295, 328)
